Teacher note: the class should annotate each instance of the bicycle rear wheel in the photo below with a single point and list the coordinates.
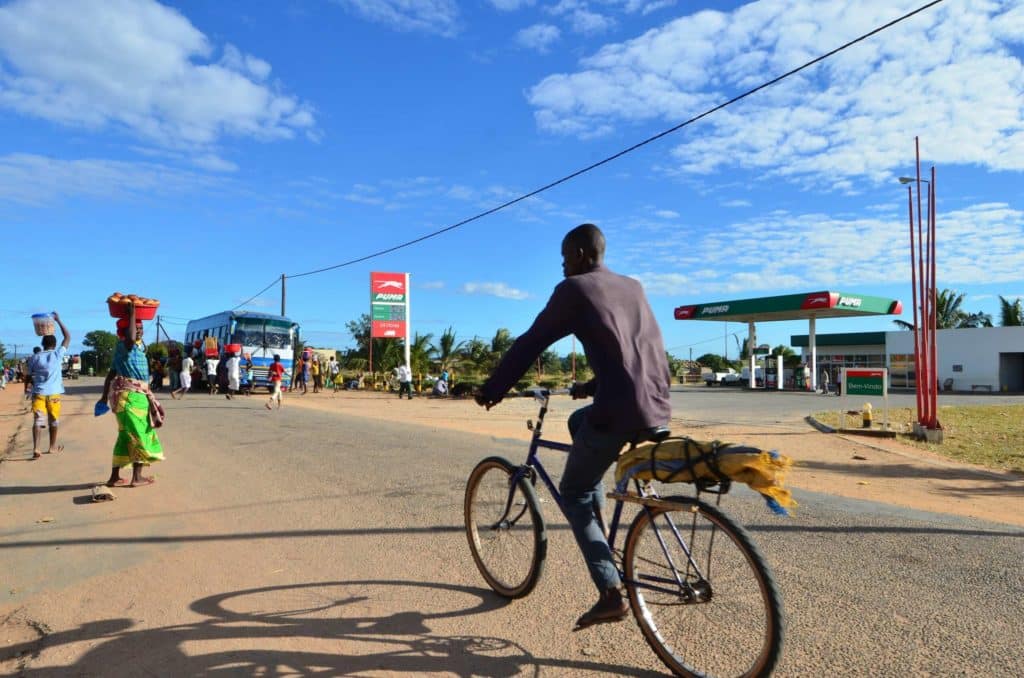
(504, 526)
(701, 592)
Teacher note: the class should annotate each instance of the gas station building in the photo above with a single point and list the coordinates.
(808, 306)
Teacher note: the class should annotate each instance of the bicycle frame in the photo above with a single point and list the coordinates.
(533, 465)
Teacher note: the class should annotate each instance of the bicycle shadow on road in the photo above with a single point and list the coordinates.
(297, 629)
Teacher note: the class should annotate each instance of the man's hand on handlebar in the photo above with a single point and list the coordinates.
(482, 401)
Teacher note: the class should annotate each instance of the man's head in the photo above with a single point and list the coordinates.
(277, 358)
(582, 250)
(49, 342)
(37, 349)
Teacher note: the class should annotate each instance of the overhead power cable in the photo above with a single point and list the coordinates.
(625, 151)
(276, 280)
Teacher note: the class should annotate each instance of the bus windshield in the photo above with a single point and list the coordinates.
(249, 334)
(278, 337)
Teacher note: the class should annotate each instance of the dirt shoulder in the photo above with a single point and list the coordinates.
(872, 469)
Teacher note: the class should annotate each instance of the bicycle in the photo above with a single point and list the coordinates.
(718, 614)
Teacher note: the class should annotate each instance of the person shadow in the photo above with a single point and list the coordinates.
(296, 630)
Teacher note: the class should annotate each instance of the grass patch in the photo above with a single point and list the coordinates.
(987, 435)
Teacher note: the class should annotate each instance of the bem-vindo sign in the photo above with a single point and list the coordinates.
(864, 381)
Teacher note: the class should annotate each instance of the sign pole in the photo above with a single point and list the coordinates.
(408, 323)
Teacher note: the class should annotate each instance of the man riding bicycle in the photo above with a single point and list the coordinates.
(612, 318)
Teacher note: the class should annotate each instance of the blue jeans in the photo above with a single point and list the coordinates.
(593, 452)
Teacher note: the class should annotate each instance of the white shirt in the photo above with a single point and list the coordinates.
(404, 373)
(186, 365)
(233, 367)
(211, 365)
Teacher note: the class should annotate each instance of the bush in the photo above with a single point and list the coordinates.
(465, 388)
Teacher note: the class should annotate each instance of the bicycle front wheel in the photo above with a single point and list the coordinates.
(701, 592)
(504, 526)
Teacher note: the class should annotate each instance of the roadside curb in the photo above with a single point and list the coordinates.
(824, 428)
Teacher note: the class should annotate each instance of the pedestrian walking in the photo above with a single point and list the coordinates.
(404, 381)
(44, 369)
(184, 378)
(126, 390)
(222, 375)
(333, 372)
(314, 370)
(824, 382)
(275, 373)
(212, 363)
(234, 375)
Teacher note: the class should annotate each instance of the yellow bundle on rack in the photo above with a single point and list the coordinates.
(684, 460)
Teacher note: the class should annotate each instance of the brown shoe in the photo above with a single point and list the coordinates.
(610, 607)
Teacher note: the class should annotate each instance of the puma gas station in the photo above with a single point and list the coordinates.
(988, 359)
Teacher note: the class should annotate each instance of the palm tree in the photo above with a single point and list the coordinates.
(477, 353)
(501, 342)
(420, 353)
(1011, 313)
(448, 350)
(949, 314)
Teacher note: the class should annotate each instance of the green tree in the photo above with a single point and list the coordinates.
(550, 362)
(476, 353)
(448, 349)
(790, 358)
(949, 313)
(3, 352)
(156, 351)
(714, 362)
(502, 342)
(421, 352)
(1011, 314)
(102, 344)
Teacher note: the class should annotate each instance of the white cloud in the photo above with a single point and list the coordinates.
(494, 289)
(149, 71)
(666, 214)
(432, 285)
(510, 5)
(214, 163)
(440, 17)
(976, 245)
(538, 37)
(736, 203)
(645, 7)
(580, 17)
(949, 75)
(590, 23)
(37, 180)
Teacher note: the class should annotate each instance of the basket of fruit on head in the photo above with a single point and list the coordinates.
(145, 308)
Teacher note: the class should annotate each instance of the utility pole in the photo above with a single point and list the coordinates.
(282, 294)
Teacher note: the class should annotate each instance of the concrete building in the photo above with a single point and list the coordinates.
(975, 359)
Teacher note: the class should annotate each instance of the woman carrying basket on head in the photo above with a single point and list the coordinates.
(127, 392)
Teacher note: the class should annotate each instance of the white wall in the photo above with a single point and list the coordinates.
(977, 349)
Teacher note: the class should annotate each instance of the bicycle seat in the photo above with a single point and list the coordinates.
(653, 435)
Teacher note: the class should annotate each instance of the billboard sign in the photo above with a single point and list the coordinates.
(389, 305)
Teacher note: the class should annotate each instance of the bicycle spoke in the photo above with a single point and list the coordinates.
(720, 625)
(500, 523)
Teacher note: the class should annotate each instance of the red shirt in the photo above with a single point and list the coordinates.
(276, 371)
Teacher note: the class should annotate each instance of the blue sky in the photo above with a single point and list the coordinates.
(194, 151)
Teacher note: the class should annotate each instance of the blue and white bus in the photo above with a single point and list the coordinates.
(260, 334)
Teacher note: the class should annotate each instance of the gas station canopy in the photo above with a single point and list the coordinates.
(791, 307)
(809, 306)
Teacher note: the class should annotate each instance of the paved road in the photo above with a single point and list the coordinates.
(301, 541)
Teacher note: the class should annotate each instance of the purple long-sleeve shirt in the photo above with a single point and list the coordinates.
(610, 315)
